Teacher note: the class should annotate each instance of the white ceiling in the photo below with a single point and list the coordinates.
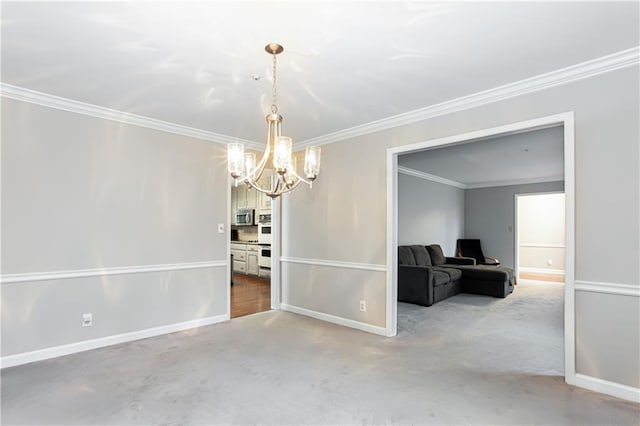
(344, 64)
(525, 157)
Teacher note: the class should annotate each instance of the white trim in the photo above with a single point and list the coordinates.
(56, 351)
(474, 136)
(433, 178)
(509, 182)
(98, 272)
(392, 243)
(334, 319)
(335, 264)
(537, 282)
(229, 270)
(563, 119)
(276, 251)
(608, 288)
(512, 182)
(594, 67)
(535, 245)
(51, 101)
(542, 270)
(604, 386)
(568, 122)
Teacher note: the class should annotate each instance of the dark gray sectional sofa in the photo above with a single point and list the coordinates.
(426, 276)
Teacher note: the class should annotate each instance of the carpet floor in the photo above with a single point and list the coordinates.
(467, 360)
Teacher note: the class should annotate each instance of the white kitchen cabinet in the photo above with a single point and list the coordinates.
(265, 200)
(245, 258)
(234, 204)
(252, 260)
(241, 196)
(239, 252)
(244, 196)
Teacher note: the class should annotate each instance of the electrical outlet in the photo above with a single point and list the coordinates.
(363, 306)
(221, 228)
(87, 320)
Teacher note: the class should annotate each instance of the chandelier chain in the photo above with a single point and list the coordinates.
(274, 90)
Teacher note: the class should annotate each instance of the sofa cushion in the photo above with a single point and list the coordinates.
(454, 274)
(421, 255)
(405, 256)
(485, 273)
(440, 278)
(437, 256)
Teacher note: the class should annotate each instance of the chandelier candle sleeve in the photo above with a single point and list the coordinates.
(235, 154)
(282, 154)
(278, 153)
(312, 162)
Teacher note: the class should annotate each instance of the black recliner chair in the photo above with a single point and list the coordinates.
(472, 248)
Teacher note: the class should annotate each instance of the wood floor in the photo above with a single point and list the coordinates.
(249, 295)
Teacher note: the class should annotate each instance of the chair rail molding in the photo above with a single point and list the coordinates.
(335, 264)
(96, 272)
(608, 288)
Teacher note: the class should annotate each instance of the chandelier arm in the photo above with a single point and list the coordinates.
(300, 178)
(257, 188)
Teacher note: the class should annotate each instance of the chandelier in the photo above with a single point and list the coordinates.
(278, 153)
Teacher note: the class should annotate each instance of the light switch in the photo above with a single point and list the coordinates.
(221, 228)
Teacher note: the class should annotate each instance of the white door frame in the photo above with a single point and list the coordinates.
(564, 119)
(516, 225)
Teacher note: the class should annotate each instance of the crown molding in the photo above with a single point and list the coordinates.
(604, 64)
(591, 68)
(51, 101)
(433, 178)
(508, 182)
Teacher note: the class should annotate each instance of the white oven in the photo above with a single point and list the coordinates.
(264, 229)
(264, 262)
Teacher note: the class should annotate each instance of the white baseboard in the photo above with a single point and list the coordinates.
(335, 319)
(542, 270)
(604, 386)
(86, 345)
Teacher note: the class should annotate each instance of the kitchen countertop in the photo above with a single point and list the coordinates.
(248, 243)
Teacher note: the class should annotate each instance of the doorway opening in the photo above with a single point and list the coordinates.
(540, 237)
(252, 226)
(564, 121)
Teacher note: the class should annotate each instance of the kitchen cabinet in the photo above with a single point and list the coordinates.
(234, 204)
(245, 258)
(264, 201)
(239, 252)
(252, 260)
(243, 197)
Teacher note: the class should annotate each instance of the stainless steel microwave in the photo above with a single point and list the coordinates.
(244, 217)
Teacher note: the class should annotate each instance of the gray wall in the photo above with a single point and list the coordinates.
(82, 193)
(344, 217)
(429, 213)
(490, 216)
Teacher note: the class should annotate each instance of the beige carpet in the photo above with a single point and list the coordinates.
(467, 360)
